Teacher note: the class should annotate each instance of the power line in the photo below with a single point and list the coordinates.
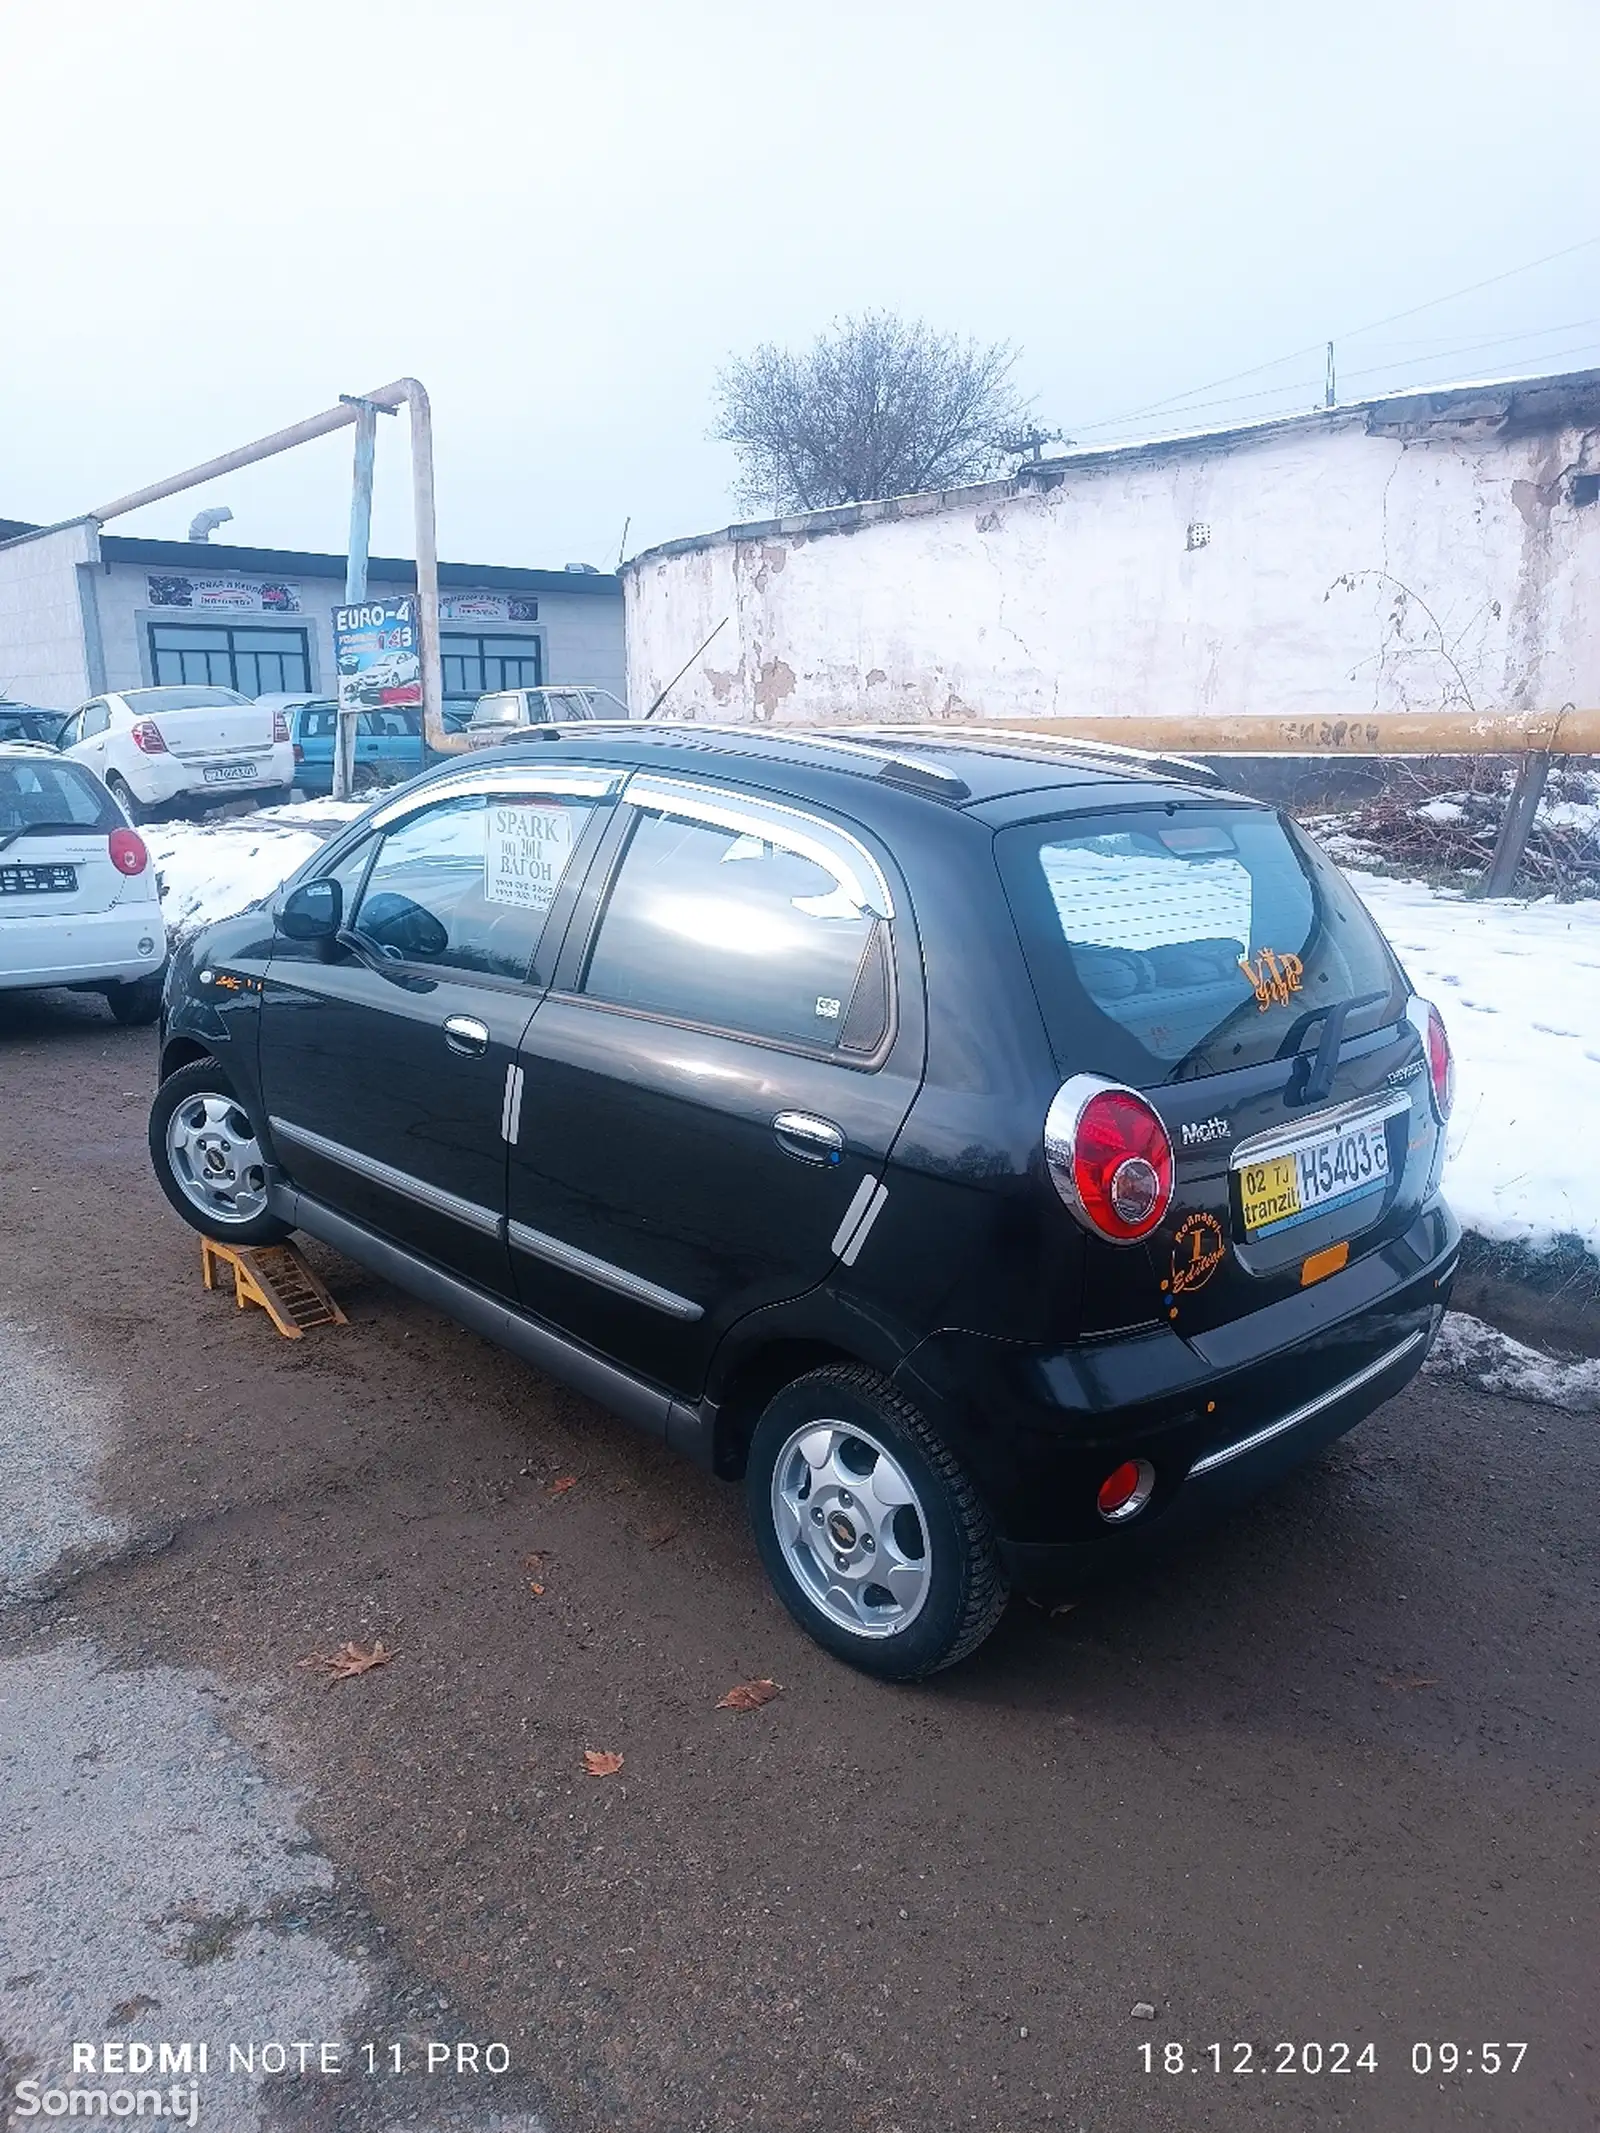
(1156, 407)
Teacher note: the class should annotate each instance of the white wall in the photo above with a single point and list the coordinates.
(41, 624)
(1328, 547)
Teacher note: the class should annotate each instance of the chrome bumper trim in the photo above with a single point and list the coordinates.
(1297, 1415)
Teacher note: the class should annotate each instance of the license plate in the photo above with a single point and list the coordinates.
(230, 773)
(1315, 1179)
(38, 881)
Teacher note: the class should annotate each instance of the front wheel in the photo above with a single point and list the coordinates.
(870, 1530)
(208, 1159)
(136, 1002)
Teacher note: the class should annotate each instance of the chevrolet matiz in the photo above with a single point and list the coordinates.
(998, 1153)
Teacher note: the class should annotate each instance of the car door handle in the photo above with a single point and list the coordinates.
(464, 1035)
(808, 1138)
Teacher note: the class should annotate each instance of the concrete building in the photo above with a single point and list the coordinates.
(82, 611)
(1428, 550)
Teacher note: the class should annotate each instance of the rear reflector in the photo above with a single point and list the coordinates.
(127, 851)
(1321, 1264)
(1126, 1490)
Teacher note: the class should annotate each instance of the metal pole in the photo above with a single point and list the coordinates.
(355, 586)
(1521, 810)
(1329, 384)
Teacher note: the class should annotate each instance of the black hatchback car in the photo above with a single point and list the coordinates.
(999, 1153)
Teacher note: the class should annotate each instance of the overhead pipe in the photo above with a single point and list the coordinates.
(406, 392)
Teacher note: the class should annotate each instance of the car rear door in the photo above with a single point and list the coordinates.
(387, 1058)
(712, 1087)
(1207, 953)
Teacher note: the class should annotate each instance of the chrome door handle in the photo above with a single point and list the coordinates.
(466, 1036)
(808, 1138)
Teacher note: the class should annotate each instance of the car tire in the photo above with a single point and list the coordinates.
(907, 1578)
(133, 807)
(137, 1002)
(196, 1110)
(275, 796)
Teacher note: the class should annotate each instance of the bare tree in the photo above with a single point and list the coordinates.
(879, 406)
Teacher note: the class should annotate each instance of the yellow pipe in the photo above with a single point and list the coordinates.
(1567, 732)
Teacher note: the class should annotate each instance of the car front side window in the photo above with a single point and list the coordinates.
(467, 884)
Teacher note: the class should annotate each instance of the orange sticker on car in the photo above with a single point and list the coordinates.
(1273, 978)
(1198, 1249)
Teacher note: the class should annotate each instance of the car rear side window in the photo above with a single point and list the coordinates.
(1185, 940)
(467, 884)
(733, 929)
(52, 796)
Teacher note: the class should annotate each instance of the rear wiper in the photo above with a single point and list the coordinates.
(28, 829)
(1318, 1079)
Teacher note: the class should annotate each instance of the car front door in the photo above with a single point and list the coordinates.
(387, 1056)
(713, 1084)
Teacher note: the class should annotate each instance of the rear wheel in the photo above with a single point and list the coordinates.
(136, 1003)
(873, 1535)
(208, 1158)
(133, 807)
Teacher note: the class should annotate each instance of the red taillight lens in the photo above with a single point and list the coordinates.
(1110, 1158)
(128, 852)
(299, 753)
(1441, 1065)
(280, 727)
(147, 736)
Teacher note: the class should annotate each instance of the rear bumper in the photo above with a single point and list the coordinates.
(1040, 1432)
(157, 779)
(85, 948)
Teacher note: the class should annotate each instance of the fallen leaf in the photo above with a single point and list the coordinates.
(601, 1763)
(560, 1486)
(348, 1661)
(534, 1560)
(1410, 1681)
(539, 1589)
(658, 1536)
(749, 1696)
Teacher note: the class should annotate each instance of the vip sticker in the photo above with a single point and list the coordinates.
(1273, 977)
(1198, 1249)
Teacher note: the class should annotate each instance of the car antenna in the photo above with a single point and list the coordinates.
(687, 664)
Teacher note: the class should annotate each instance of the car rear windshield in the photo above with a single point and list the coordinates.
(142, 702)
(1183, 940)
(52, 796)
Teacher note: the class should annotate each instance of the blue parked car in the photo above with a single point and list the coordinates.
(388, 743)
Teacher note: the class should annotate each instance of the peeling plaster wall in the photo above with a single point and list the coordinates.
(1345, 571)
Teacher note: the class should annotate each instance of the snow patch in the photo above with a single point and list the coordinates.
(1518, 985)
(1484, 1356)
(210, 870)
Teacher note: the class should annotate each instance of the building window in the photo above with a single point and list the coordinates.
(256, 662)
(475, 665)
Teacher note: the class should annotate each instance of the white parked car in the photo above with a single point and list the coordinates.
(185, 742)
(79, 903)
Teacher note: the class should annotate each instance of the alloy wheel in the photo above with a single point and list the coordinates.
(851, 1528)
(216, 1159)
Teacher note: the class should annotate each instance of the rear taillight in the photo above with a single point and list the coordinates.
(299, 753)
(1110, 1158)
(1428, 1023)
(280, 727)
(147, 736)
(127, 851)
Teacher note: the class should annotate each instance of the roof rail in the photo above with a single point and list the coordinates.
(1068, 743)
(894, 768)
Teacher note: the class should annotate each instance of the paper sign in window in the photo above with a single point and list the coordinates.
(526, 850)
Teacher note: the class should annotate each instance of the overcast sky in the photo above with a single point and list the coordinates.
(564, 220)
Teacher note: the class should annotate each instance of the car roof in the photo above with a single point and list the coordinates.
(964, 769)
(35, 748)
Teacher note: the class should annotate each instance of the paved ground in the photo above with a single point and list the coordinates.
(1330, 1777)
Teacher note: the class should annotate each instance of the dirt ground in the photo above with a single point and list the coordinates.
(1329, 1776)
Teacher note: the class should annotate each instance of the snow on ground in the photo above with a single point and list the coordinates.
(211, 869)
(1518, 985)
(1484, 1356)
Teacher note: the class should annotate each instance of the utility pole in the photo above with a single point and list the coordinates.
(355, 575)
(1329, 392)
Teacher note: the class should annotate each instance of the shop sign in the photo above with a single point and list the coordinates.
(487, 607)
(212, 593)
